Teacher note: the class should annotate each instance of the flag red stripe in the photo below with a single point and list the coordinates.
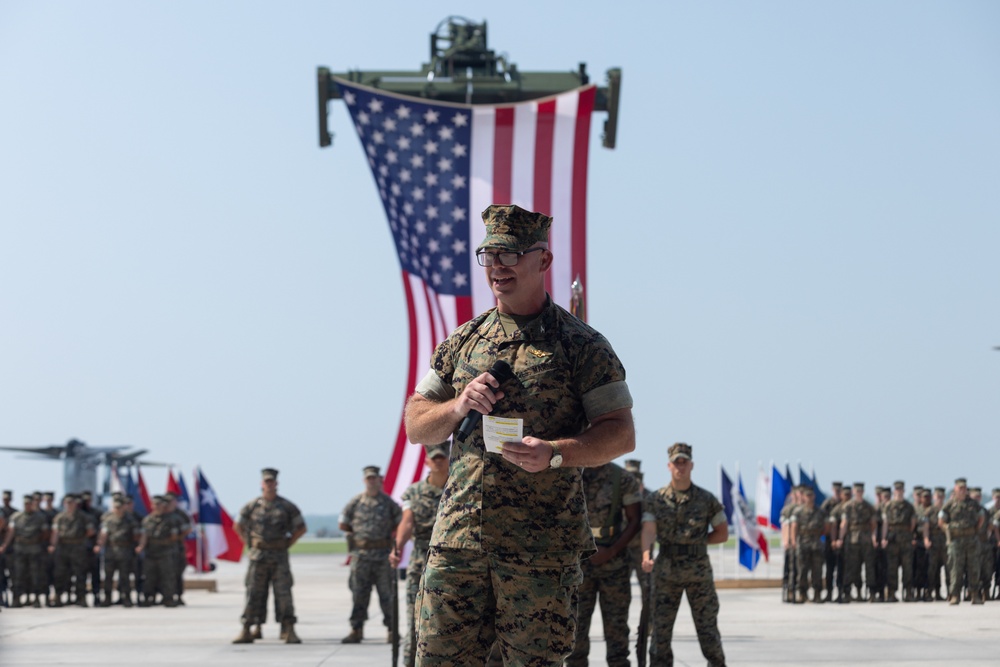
(503, 155)
(579, 215)
(399, 450)
(544, 134)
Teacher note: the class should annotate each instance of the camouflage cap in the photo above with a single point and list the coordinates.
(118, 502)
(29, 497)
(49, 494)
(860, 485)
(159, 500)
(440, 449)
(71, 497)
(37, 495)
(960, 481)
(633, 465)
(8, 494)
(513, 228)
(679, 450)
(898, 484)
(925, 493)
(838, 485)
(170, 495)
(919, 487)
(268, 473)
(86, 495)
(940, 489)
(996, 492)
(976, 489)
(808, 490)
(372, 471)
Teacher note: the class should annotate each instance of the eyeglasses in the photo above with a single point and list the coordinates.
(506, 258)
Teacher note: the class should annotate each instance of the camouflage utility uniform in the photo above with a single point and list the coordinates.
(504, 561)
(422, 500)
(122, 534)
(160, 563)
(810, 523)
(71, 553)
(609, 489)
(682, 566)
(269, 526)
(962, 519)
(937, 554)
(899, 517)
(372, 520)
(28, 565)
(858, 547)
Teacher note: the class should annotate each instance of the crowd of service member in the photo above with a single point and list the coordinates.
(909, 549)
(54, 557)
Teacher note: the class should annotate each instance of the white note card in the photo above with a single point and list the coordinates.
(498, 430)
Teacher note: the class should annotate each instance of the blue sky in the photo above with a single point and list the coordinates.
(793, 247)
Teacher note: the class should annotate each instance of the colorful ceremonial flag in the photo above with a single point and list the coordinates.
(221, 540)
(437, 166)
(132, 489)
(726, 495)
(141, 489)
(175, 485)
(811, 483)
(752, 542)
(772, 489)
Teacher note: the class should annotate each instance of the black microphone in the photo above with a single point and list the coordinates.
(501, 371)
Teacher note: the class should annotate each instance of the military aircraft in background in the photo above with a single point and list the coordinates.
(81, 461)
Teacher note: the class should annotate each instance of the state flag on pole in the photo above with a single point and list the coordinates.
(132, 489)
(752, 542)
(143, 493)
(772, 489)
(437, 166)
(221, 540)
(726, 488)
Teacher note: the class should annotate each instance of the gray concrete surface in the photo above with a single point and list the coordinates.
(757, 629)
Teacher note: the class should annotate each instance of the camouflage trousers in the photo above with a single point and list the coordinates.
(985, 564)
(672, 577)
(122, 561)
(856, 555)
(370, 568)
(414, 572)
(525, 602)
(268, 568)
(937, 557)
(71, 566)
(635, 565)
(809, 564)
(899, 553)
(28, 573)
(612, 582)
(963, 563)
(159, 571)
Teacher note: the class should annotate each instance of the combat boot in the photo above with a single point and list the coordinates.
(81, 602)
(354, 638)
(288, 630)
(977, 597)
(257, 634)
(127, 602)
(892, 596)
(37, 604)
(245, 637)
(16, 603)
(953, 599)
(799, 599)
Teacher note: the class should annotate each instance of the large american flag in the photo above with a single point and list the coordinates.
(437, 166)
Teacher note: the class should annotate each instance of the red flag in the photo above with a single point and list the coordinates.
(183, 502)
(143, 493)
(437, 166)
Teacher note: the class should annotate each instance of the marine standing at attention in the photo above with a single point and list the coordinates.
(420, 506)
(504, 560)
(684, 519)
(373, 517)
(269, 525)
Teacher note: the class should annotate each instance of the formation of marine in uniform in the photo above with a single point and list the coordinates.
(53, 558)
(907, 549)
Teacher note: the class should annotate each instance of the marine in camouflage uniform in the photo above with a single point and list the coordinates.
(6, 512)
(684, 519)
(27, 530)
(372, 517)
(829, 553)
(48, 563)
(935, 542)
(789, 572)
(984, 537)
(634, 466)
(807, 528)
(877, 589)
(504, 561)
(614, 507)
(995, 543)
(857, 537)
(269, 525)
(961, 519)
(159, 535)
(70, 530)
(184, 526)
(899, 519)
(920, 589)
(420, 506)
(833, 531)
(93, 559)
(119, 537)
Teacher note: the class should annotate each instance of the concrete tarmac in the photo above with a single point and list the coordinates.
(757, 629)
